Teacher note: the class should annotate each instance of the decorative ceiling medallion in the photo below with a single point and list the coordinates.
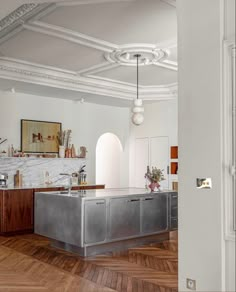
(126, 56)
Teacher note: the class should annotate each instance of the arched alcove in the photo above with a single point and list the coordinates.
(108, 160)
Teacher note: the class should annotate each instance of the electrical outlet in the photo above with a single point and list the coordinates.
(191, 284)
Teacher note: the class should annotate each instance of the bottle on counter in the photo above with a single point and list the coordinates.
(18, 179)
(12, 150)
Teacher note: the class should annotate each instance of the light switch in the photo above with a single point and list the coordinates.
(204, 183)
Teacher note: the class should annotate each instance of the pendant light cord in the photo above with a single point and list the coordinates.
(137, 77)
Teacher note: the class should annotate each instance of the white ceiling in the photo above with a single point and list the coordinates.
(64, 49)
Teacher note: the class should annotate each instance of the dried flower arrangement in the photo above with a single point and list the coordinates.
(154, 176)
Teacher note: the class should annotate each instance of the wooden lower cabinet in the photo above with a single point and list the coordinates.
(17, 208)
(16, 211)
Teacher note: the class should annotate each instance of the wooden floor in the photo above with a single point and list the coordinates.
(29, 263)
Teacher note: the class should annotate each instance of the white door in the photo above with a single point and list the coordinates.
(141, 161)
(159, 157)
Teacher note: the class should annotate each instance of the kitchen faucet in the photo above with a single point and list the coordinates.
(69, 186)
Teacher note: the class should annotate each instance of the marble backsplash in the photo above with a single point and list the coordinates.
(38, 171)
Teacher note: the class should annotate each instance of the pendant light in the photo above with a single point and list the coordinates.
(138, 110)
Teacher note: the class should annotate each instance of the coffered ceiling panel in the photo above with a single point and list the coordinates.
(141, 21)
(148, 75)
(89, 47)
(51, 51)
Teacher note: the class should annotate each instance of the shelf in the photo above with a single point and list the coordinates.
(40, 158)
(174, 167)
(174, 152)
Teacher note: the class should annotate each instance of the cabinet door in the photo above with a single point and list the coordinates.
(124, 217)
(95, 221)
(173, 211)
(1, 211)
(17, 210)
(154, 213)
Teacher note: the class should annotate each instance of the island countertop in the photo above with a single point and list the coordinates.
(105, 193)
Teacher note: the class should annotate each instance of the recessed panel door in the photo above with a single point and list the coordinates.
(154, 215)
(124, 217)
(95, 225)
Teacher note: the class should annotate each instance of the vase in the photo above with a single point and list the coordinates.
(62, 151)
(154, 186)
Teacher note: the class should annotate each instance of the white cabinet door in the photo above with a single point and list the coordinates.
(159, 156)
(141, 161)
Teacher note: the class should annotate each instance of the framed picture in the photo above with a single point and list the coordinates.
(39, 136)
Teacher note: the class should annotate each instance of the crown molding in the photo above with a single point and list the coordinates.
(70, 35)
(98, 68)
(167, 65)
(170, 2)
(17, 14)
(12, 23)
(87, 2)
(49, 76)
(143, 89)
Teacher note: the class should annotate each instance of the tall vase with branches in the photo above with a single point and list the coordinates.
(63, 139)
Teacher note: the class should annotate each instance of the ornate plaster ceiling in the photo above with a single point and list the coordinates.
(88, 47)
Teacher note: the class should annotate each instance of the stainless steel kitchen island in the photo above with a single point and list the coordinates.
(98, 221)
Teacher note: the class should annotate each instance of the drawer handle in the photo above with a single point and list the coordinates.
(100, 203)
(148, 199)
(173, 197)
(134, 200)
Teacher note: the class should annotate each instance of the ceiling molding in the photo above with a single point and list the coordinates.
(170, 2)
(27, 17)
(16, 70)
(167, 65)
(17, 14)
(70, 35)
(87, 2)
(94, 43)
(98, 68)
(17, 63)
(12, 23)
(143, 88)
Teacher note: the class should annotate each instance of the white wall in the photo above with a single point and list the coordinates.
(160, 119)
(201, 233)
(87, 121)
(230, 258)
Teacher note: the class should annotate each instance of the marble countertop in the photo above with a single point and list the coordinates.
(105, 193)
(45, 186)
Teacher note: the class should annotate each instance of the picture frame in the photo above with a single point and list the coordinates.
(39, 136)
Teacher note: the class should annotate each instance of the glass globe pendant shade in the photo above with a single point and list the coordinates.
(137, 119)
(138, 109)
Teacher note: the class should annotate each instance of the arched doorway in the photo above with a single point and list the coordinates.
(108, 160)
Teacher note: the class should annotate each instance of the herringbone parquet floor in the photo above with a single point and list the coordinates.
(29, 263)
